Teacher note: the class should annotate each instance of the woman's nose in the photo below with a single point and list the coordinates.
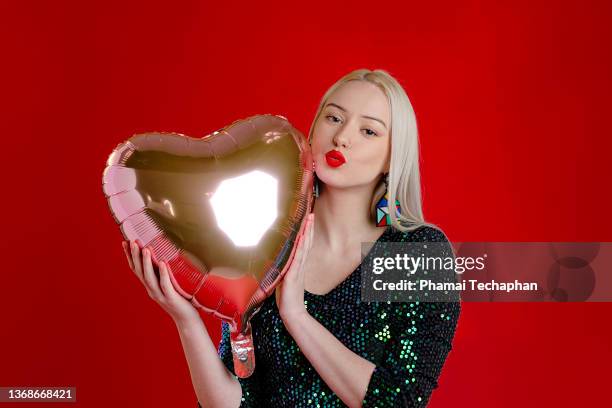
(341, 139)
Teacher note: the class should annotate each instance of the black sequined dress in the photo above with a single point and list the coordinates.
(408, 342)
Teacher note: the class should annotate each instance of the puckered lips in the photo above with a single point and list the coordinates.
(335, 158)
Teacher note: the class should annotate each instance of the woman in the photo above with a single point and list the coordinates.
(318, 344)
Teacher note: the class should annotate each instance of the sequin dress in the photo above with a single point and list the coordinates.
(408, 342)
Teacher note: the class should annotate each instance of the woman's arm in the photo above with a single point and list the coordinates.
(214, 385)
(414, 356)
(212, 382)
(345, 372)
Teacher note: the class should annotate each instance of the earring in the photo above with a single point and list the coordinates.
(315, 182)
(382, 207)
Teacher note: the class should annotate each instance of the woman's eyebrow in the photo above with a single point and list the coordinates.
(367, 117)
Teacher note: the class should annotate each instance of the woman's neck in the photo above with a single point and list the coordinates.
(342, 216)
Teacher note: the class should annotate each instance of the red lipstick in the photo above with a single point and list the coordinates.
(334, 158)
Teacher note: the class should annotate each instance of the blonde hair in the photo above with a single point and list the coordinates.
(404, 174)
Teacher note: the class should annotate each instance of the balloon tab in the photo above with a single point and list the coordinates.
(243, 352)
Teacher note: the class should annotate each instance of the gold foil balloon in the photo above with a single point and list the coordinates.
(224, 212)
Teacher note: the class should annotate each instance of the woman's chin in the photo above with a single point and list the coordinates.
(332, 182)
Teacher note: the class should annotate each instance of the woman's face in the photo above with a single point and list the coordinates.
(355, 121)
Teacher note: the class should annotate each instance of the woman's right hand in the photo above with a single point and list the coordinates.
(160, 290)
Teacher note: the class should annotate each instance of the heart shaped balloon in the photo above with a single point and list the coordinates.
(224, 212)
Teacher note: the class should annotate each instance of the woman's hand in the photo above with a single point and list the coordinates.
(290, 291)
(160, 290)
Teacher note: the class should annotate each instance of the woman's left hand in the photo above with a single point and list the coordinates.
(290, 291)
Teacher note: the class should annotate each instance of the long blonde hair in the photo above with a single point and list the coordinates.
(404, 175)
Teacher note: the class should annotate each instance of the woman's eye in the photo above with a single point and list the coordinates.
(335, 119)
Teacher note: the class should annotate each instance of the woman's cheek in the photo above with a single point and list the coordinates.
(372, 163)
(317, 150)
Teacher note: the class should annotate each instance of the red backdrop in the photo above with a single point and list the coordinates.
(511, 99)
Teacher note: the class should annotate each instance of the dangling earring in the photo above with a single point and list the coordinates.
(382, 207)
(315, 182)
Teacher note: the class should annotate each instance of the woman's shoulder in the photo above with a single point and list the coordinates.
(423, 233)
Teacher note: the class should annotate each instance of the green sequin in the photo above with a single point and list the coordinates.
(408, 342)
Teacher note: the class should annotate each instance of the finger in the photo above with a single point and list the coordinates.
(308, 235)
(137, 261)
(149, 275)
(296, 263)
(165, 283)
(311, 238)
(125, 246)
(300, 247)
(310, 230)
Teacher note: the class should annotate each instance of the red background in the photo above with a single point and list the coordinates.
(511, 100)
